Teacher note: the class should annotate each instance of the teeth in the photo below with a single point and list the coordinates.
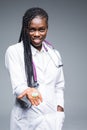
(36, 39)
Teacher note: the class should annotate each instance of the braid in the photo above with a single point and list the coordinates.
(28, 16)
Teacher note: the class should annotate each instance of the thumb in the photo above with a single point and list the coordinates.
(22, 95)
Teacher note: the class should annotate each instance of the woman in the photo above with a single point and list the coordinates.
(36, 74)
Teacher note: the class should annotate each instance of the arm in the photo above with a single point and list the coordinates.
(16, 69)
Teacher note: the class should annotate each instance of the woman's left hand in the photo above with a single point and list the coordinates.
(59, 108)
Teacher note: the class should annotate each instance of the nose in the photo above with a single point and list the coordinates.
(36, 33)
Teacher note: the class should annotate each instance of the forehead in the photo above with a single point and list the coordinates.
(38, 21)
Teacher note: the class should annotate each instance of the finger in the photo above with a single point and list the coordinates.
(40, 97)
(22, 95)
(37, 101)
(33, 102)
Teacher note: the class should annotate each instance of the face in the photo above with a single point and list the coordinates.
(37, 31)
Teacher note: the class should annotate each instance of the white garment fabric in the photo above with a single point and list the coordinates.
(50, 77)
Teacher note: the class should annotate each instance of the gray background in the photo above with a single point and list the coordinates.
(68, 33)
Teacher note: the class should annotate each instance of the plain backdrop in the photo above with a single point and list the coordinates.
(68, 33)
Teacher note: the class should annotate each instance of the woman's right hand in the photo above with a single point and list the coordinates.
(35, 100)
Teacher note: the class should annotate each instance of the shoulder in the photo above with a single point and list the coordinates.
(57, 53)
(52, 50)
(54, 54)
(13, 53)
(17, 47)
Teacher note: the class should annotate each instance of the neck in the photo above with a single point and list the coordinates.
(37, 47)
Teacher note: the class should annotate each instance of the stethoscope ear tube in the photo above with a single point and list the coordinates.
(35, 84)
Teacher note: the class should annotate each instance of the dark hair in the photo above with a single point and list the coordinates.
(28, 16)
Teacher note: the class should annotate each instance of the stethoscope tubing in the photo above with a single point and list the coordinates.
(46, 49)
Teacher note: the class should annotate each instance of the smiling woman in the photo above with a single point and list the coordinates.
(36, 73)
(37, 31)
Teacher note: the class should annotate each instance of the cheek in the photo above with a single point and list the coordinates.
(30, 35)
(44, 34)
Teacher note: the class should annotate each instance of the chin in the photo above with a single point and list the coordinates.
(37, 44)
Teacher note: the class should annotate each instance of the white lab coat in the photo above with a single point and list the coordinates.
(51, 86)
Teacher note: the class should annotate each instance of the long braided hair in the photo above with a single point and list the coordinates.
(27, 18)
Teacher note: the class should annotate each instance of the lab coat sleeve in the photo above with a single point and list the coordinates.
(60, 83)
(16, 71)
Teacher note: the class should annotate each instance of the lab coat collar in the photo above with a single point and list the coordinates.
(35, 51)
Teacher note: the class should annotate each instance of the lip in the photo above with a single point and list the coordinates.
(37, 40)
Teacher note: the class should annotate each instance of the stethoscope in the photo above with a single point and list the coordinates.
(36, 84)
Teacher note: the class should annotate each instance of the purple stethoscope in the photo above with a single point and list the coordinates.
(34, 69)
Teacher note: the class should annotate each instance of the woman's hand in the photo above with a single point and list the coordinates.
(60, 109)
(35, 100)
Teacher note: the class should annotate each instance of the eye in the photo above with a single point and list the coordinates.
(31, 30)
(42, 29)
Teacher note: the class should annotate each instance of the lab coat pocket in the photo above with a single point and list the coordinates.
(20, 113)
(50, 121)
(60, 116)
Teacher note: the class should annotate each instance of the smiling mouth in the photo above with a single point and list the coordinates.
(37, 40)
